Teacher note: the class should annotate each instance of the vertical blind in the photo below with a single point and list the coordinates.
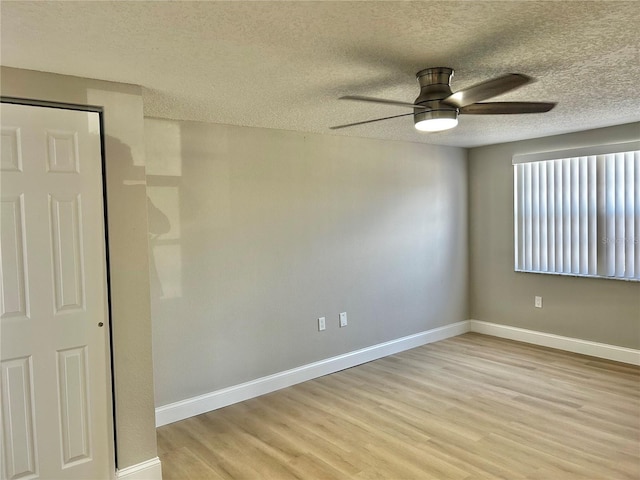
(579, 213)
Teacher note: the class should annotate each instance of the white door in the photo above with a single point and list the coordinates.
(56, 389)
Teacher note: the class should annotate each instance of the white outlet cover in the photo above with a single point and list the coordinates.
(537, 302)
(343, 319)
(322, 324)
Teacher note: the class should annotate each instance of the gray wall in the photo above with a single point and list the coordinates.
(129, 267)
(606, 311)
(257, 232)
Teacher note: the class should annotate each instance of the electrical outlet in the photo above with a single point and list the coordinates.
(537, 302)
(322, 324)
(343, 319)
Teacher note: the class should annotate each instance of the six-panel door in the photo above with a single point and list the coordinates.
(56, 390)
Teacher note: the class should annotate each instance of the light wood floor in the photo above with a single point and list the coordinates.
(470, 407)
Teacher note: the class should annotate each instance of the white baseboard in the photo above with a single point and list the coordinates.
(227, 396)
(221, 398)
(148, 470)
(576, 345)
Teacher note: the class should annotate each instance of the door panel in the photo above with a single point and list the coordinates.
(56, 389)
(65, 224)
(20, 455)
(14, 291)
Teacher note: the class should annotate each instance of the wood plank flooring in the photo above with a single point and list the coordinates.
(470, 407)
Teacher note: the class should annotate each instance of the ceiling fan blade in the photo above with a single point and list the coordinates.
(488, 89)
(501, 108)
(368, 121)
(381, 100)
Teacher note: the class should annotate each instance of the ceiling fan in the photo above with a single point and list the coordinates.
(437, 107)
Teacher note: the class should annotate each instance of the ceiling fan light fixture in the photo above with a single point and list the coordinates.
(435, 120)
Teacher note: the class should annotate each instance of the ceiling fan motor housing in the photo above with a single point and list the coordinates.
(435, 85)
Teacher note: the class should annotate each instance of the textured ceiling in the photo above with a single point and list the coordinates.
(284, 64)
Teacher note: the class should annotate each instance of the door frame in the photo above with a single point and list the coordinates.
(111, 401)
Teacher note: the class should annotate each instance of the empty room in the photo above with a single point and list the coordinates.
(320, 240)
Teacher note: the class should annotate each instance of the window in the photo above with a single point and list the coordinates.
(577, 212)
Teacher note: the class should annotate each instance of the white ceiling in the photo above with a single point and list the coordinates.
(284, 64)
